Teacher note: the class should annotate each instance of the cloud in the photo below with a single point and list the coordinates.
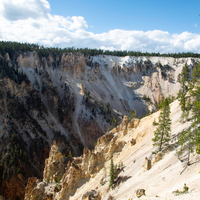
(14, 10)
(71, 23)
(31, 21)
(195, 25)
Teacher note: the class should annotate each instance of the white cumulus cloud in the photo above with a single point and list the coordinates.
(31, 21)
(14, 10)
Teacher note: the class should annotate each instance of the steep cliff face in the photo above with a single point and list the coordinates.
(72, 99)
(140, 171)
(78, 170)
(76, 88)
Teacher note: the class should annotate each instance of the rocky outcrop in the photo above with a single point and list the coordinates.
(89, 165)
(79, 169)
(139, 192)
(147, 164)
(133, 123)
(32, 183)
(91, 195)
(90, 171)
(55, 165)
(133, 142)
(158, 157)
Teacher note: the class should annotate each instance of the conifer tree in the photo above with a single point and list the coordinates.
(112, 173)
(113, 123)
(196, 106)
(163, 132)
(189, 139)
(132, 115)
(184, 81)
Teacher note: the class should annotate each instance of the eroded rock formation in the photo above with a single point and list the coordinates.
(72, 99)
(79, 170)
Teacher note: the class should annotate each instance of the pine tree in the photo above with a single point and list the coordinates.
(189, 139)
(182, 95)
(112, 173)
(186, 141)
(163, 132)
(196, 107)
(132, 115)
(113, 123)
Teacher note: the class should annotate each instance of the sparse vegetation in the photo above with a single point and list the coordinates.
(154, 122)
(48, 177)
(132, 115)
(87, 94)
(170, 99)
(147, 99)
(189, 139)
(112, 173)
(70, 154)
(182, 95)
(120, 165)
(102, 182)
(58, 179)
(185, 190)
(113, 123)
(14, 157)
(163, 132)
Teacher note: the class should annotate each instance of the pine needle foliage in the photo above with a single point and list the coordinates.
(189, 139)
(195, 93)
(132, 115)
(112, 173)
(163, 132)
(182, 95)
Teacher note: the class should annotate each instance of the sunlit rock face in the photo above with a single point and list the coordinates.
(76, 88)
(78, 170)
(72, 99)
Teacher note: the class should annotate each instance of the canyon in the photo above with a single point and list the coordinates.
(141, 172)
(67, 102)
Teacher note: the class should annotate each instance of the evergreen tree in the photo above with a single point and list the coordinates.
(184, 81)
(189, 139)
(196, 106)
(112, 173)
(113, 123)
(187, 142)
(132, 115)
(163, 132)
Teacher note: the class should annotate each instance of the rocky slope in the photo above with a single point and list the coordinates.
(72, 99)
(85, 85)
(156, 175)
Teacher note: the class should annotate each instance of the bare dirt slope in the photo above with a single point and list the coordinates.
(164, 176)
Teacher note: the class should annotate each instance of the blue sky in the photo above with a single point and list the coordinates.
(174, 16)
(142, 25)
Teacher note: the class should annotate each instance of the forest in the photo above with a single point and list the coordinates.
(12, 47)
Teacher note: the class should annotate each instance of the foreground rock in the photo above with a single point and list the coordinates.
(79, 169)
(92, 195)
(139, 192)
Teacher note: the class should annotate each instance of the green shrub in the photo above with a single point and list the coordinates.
(112, 173)
(155, 123)
(58, 179)
(70, 154)
(102, 182)
(185, 191)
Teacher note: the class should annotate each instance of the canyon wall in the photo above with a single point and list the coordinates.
(71, 99)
